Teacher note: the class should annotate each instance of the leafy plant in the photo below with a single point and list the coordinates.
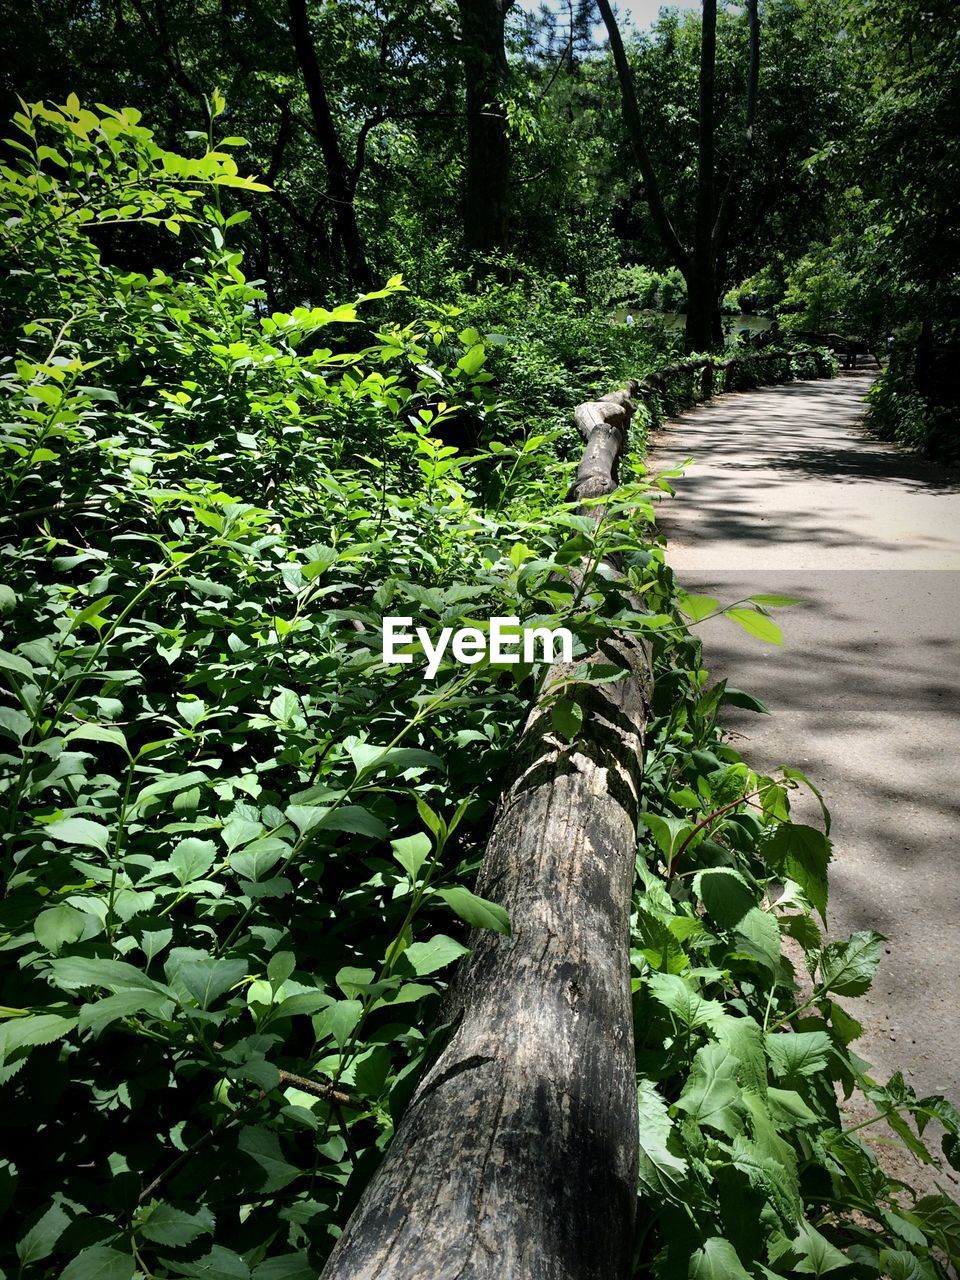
(239, 849)
(749, 1165)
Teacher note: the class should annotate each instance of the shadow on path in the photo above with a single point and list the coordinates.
(789, 494)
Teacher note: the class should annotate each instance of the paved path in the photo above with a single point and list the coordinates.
(788, 494)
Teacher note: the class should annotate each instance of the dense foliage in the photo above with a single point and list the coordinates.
(236, 843)
(239, 849)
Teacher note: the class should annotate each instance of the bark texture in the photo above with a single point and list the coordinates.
(517, 1157)
(487, 195)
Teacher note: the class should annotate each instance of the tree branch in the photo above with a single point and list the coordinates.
(721, 227)
(634, 123)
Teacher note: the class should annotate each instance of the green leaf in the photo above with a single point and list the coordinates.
(473, 359)
(669, 832)
(756, 624)
(675, 994)
(39, 1241)
(801, 853)
(356, 820)
(759, 931)
(696, 608)
(78, 831)
(207, 979)
(100, 1262)
(192, 859)
(798, 1053)
(58, 925)
(8, 600)
(15, 723)
(898, 1264)
(737, 698)
(428, 957)
(476, 911)
(775, 601)
(33, 1030)
(153, 941)
(349, 817)
(208, 590)
(717, 1259)
(337, 1019)
(96, 1017)
(663, 1173)
(13, 662)
(163, 1224)
(770, 1166)
(847, 1029)
(91, 615)
(817, 1254)
(164, 786)
(566, 717)
(367, 756)
(711, 1093)
(218, 1264)
(280, 967)
(789, 1111)
(411, 852)
(658, 943)
(725, 895)
(100, 733)
(263, 1146)
(847, 968)
(286, 1266)
(796, 775)
(258, 858)
(117, 975)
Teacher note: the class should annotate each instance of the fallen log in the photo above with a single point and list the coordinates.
(517, 1156)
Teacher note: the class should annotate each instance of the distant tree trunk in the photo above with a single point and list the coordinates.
(923, 363)
(704, 325)
(634, 122)
(486, 214)
(341, 179)
(701, 264)
(703, 309)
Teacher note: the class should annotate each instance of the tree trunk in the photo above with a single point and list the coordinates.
(517, 1157)
(923, 363)
(340, 182)
(631, 115)
(702, 290)
(704, 326)
(701, 263)
(486, 212)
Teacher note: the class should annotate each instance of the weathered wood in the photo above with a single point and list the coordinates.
(517, 1157)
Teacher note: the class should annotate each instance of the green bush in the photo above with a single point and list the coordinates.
(239, 847)
(897, 411)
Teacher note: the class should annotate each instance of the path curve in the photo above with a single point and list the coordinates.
(789, 494)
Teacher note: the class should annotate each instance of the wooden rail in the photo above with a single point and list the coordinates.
(517, 1156)
(719, 374)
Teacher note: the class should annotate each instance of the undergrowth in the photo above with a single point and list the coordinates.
(898, 411)
(239, 849)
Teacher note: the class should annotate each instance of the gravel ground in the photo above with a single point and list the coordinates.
(789, 494)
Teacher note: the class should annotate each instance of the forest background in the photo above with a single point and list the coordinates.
(297, 302)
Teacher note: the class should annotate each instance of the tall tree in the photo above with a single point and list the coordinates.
(487, 193)
(341, 177)
(702, 260)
